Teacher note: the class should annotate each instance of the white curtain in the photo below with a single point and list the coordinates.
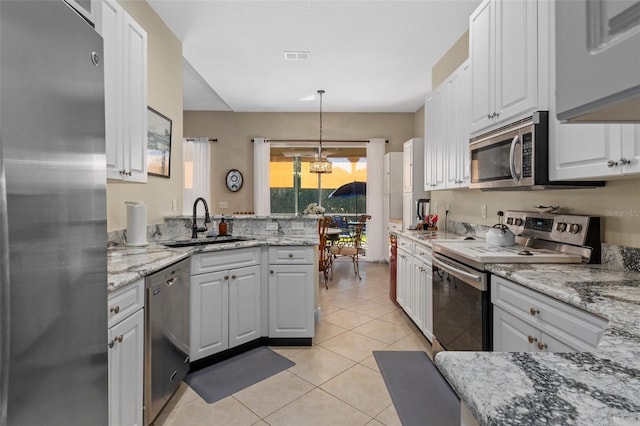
(262, 188)
(376, 239)
(196, 156)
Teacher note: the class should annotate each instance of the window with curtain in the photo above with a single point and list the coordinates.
(196, 159)
(293, 187)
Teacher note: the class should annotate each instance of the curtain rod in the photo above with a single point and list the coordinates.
(193, 139)
(316, 140)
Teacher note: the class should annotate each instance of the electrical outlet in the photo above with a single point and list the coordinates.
(223, 204)
(272, 226)
(174, 205)
(483, 211)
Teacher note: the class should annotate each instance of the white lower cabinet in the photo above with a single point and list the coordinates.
(126, 355)
(525, 320)
(414, 291)
(225, 301)
(291, 292)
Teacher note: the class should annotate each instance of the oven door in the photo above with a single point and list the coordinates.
(461, 306)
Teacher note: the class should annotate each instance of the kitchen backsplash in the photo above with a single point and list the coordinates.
(176, 227)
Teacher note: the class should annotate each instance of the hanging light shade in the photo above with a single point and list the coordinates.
(320, 165)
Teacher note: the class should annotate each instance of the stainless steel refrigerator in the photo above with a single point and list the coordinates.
(53, 275)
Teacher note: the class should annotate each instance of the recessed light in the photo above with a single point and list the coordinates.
(296, 55)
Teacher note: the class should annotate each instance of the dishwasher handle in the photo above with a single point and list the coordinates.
(478, 281)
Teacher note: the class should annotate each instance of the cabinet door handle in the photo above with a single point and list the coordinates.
(226, 277)
(624, 161)
(542, 346)
(233, 277)
(115, 309)
(534, 311)
(290, 255)
(119, 338)
(171, 281)
(611, 163)
(111, 344)
(271, 272)
(532, 339)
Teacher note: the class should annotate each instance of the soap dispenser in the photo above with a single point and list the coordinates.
(222, 228)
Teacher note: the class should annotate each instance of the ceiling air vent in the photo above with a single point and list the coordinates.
(296, 55)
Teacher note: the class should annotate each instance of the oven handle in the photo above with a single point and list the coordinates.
(512, 159)
(473, 280)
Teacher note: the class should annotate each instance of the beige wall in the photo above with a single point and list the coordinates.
(618, 203)
(164, 62)
(418, 123)
(450, 61)
(235, 130)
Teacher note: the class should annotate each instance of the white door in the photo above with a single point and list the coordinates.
(482, 55)
(244, 305)
(126, 371)
(630, 148)
(291, 301)
(579, 151)
(407, 166)
(511, 334)
(209, 324)
(516, 58)
(135, 100)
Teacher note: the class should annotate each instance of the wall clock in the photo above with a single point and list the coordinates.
(234, 180)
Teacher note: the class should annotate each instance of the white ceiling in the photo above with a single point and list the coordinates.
(369, 56)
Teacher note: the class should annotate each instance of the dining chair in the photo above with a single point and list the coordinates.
(352, 247)
(325, 259)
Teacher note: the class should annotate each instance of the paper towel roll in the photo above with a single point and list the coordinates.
(136, 224)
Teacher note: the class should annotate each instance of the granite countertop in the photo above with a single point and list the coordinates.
(127, 264)
(597, 388)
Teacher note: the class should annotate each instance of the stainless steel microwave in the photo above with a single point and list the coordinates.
(516, 157)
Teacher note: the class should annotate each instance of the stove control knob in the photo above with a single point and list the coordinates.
(574, 228)
(509, 221)
(561, 226)
(518, 222)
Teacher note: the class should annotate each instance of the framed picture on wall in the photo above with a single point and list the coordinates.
(158, 144)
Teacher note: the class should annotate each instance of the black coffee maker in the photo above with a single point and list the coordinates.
(422, 209)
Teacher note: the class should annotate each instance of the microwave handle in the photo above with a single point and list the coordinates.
(512, 158)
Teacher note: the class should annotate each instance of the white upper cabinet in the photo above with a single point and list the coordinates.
(125, 75)
(504, 51)
(447, 123)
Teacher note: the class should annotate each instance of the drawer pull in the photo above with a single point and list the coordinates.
(290, 255)
(115, 309)
(226, 277)
(171, 281)
(233, 277)
(542, 346)
(534, 311)
(271, 272)
(532, 339)
(119, 338)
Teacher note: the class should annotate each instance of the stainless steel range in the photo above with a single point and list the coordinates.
(461, 285)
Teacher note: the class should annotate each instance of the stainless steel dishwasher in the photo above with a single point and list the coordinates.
(166, 335)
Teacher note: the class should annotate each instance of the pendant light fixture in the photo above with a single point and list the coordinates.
(320, 165)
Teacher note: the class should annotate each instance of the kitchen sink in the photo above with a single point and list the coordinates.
(204, 241)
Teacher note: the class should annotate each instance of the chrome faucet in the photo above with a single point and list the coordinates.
(207, 218)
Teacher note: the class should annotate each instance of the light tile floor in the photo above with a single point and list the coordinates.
(334, 382)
